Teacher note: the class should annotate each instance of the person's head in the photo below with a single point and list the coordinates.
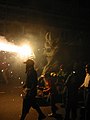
(29, 64)
(87, 68)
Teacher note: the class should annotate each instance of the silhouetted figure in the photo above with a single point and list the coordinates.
(53, 93)
(61, 77)
(30, 91)
(72, 84)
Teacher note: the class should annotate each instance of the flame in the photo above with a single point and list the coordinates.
(24, 51)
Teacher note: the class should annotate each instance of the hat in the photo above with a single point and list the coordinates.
(29, 62)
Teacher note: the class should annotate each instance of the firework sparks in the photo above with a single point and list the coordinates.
(24, 51)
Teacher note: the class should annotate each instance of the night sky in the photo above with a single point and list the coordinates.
(68, 18)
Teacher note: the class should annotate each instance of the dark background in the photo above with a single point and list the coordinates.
(70, 19)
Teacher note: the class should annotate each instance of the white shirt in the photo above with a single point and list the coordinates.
(87, 80)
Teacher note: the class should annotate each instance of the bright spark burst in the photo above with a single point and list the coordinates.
(24, 51)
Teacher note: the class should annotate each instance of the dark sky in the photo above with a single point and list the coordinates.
(49, 4)
(75, 11)
(73, 14)
(77, 8)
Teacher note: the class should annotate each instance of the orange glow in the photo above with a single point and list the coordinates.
(24, 51)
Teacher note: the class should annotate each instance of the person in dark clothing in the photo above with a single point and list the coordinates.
(52, 93)
(30, 89)
(72, 85)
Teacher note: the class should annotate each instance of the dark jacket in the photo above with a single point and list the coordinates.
(72, 84)
(31, 81)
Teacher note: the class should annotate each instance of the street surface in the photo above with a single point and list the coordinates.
(11, 105)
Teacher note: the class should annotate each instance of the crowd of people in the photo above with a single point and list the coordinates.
(68, 85)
